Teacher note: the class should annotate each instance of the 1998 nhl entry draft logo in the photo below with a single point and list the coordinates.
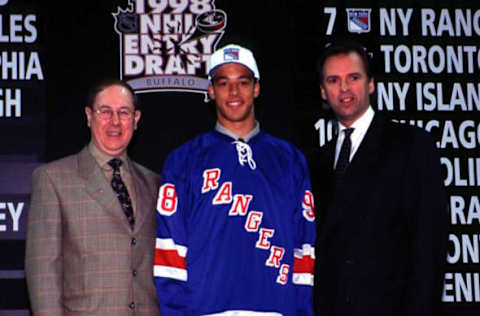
(358, 20)
(165, 44)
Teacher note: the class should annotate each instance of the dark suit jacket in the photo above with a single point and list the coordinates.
(382, 236)
(82, 257)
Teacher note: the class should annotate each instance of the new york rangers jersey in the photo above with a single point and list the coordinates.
(236, 229)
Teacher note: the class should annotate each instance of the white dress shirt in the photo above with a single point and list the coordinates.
(360, 129)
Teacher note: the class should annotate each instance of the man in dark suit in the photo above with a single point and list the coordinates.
(380, 203)
(91, 224)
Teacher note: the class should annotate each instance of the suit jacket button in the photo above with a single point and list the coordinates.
(132, 305)
(134, 241)
(134, 272)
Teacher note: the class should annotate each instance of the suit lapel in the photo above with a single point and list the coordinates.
(144, 196)
(98, 187)
(368, 152)
(363, 165)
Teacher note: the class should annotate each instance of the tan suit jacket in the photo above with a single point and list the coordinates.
(82, 257)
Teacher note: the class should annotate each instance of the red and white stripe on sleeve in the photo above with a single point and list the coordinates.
(303, 265)
(169, 260)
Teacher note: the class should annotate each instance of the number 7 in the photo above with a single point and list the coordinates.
(331, 21)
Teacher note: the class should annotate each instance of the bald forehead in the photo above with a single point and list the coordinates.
(115, 93)
(116, 90)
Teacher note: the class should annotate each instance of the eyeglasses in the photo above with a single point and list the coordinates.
(105, 113)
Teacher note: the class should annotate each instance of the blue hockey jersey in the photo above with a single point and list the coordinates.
(236, 229)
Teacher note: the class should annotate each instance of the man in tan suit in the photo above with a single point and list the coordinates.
(90, 242)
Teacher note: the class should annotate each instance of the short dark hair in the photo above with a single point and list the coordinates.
(213, 73)
(105, 83)
(344, 47)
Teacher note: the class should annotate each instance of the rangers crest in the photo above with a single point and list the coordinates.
(358, 20)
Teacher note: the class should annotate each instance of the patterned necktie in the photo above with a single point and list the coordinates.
(121, 190)
(344, 156)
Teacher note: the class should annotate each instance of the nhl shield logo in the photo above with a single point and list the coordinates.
(358, 20)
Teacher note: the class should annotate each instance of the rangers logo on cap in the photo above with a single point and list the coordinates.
(230, 54)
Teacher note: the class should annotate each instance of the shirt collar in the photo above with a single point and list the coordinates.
(103, 158)
(222, 129)
(361, 124)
